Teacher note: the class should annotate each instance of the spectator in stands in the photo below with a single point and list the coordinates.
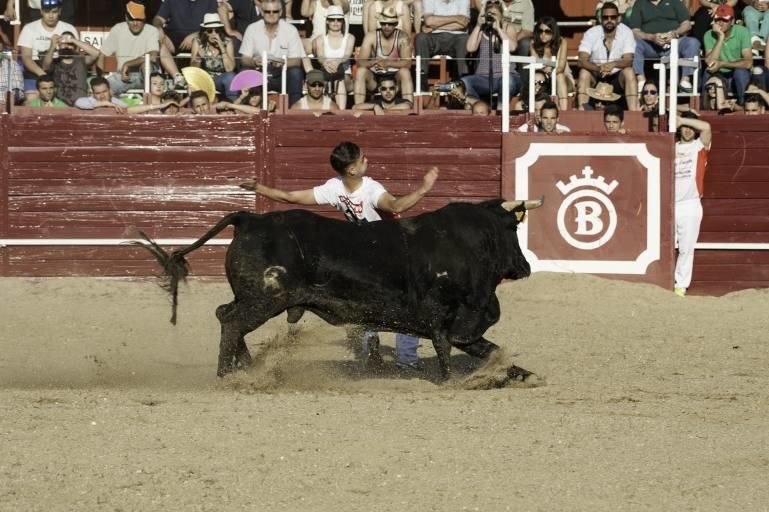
(11, 78)
(101, 97)
(179, 22)
(542, 88)
(70, 69)
(606, 55)
(130, 41)
(214, 52)
(35, 40)
(546, 121)
(457, 98)
(703, 18)
(548, 44)
(279, 39)
(520, 13)
(756, 16)
(655, 23)
(384, 51)
(333, 50)
(614, 120)
(481, 108)
(755, 102)
(625, 8)
(316, 98)
(361, 199)
(650, 97)
(157, 88)
(728, 56)
(200, 103)
(237, 15)
(601, 96)
(253, 98)
(486, 39)
(444, 32)
(692, 149)
(372, 10)
(389, 99)
(317, 12)
(35, 11)
(46, 94)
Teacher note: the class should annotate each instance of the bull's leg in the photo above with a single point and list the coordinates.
(443, 350)
(480, 348)
(236, 321)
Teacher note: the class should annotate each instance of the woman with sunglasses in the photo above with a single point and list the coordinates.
(649, 98)
(549, 44)
(213, 51)
(333, 51)
(317, 12)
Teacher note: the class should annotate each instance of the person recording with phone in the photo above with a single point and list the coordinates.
(486, 39)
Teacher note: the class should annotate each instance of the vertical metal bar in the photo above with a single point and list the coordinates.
(505, 86)
(147, 73)
(283, 76)
(265, 79)
(673, 85)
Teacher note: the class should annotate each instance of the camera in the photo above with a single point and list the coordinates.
(488, 21)
(448, 86)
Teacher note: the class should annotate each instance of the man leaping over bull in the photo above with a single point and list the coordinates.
(358, 197)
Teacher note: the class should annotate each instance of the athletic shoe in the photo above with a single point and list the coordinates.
(414, 366)
(681, 292)
(685, 87)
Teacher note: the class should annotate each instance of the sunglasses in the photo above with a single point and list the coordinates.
(387, 24)
(276, 11)
(649, 92)
(493, 2)
(544, 30)
(212, 30)
(610, 17)
(337, 20)
(318, 84)
(539, 82)
(390, 88)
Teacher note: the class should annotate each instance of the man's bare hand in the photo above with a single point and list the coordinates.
(186, 43)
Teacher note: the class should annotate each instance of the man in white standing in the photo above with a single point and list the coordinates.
(694, 136)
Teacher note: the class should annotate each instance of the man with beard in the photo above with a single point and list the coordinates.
(130, 41)
(606, 55)
(46, 94)
(35, 40)
(385, 51)
(70, 69)
(388, 98)
(315, 99)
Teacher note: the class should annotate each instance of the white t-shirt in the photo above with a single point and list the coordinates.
(127, 46)
(287, 42)
(34, 36)
(357, 206)
(558, 128)
(691, 159)
(592, 44)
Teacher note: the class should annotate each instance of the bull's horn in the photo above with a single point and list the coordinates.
(528, 204)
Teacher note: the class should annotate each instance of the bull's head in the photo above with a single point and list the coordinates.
(518, 266)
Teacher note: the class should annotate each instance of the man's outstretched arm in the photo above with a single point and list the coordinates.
(390, 203)
(305, 197)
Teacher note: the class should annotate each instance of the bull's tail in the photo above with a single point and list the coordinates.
(175, 266)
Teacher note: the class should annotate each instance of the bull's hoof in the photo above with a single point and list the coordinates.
(517, 373)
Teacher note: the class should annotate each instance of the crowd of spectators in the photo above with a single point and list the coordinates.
(330, 69)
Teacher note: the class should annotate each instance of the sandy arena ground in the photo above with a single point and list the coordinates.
(643, 401)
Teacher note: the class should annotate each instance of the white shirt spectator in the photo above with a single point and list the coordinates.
(443, 8)
(37, 38)
(592, 44)
(89, 103)
(356, 206)
(127, 46)
(287, 42)
(691, 159)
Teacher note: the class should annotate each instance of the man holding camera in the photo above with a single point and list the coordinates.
(486, 38)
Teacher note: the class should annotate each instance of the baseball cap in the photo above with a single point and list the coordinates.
(315, 75)
(135, 11)
(50, 4)
(725, 12)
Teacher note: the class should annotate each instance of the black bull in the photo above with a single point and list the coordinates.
(433, 275)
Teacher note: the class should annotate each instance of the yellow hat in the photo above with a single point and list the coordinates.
(200, 80)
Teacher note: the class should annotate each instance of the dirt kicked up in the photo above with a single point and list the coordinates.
(641, 401)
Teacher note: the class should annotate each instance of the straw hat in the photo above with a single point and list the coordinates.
(603, 92)
(334, 12)
(389, 15)
(212, 20)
